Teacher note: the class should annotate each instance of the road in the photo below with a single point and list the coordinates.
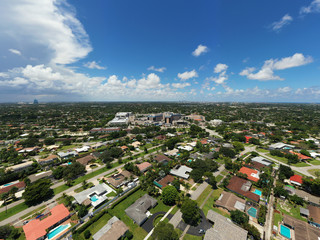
(269, 223)
(26, 211)
(212, 132)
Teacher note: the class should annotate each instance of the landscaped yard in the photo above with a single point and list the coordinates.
(314, 172)
(276, 219)
(315, 162)
(204, 195)
(262, 150)
(219, 178)
(214, 196)
(301, 164)
(95, 227)
(287, 208)
(191, 237)
(281, 159)
(118, 210)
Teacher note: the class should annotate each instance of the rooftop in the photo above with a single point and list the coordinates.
(113, 230)
(242, 187)
(230, 201)
(37, 228)
(181, 171)
(144, 166)
(252, 174)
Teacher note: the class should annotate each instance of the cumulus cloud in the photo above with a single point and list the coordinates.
(94, 65)
(15, 51)
(278, 25)
(187, 75)
(180, 85)
(153, 68)
(266, 73)
(47, 24)
(220, 67)
(201, 49)
(313, 7)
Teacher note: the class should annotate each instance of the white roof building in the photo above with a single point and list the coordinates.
(181, 171)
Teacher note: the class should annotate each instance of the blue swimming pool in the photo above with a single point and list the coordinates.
(252, 212)
(57, 231)
(94, 198)
(7, 184)
(69, 163)
(285, 231)
(258, 192)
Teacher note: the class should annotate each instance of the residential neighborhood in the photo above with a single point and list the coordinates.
(159, 174)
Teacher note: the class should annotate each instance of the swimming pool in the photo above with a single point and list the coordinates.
(53, 233)
(258, 192)
(252, 212)
(69, 163)
(94, 198)
(285, 231)
(7, 184)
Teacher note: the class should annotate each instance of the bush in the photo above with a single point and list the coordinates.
(87, 234)
(129, 235)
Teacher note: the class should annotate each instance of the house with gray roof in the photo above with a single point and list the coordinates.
(181, 171)
(223, 228)
(262, 161)
(113, 230)
(138, 210)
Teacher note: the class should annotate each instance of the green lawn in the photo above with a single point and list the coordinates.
(315, 162)
(12, 211)
(224, 172)
(118, 210)
(209, 204)
(276, 219)
(161, 207)
(191, 237)
(262, 150)
(67, 147)
(95, 227)
(157, 219)
(204, 195)
(219, 178)
(294, 211)
(281, 159)
(174, 210)
(313, 171)
(300, 164)
(80, 189)
(112, 194)
(38, 210)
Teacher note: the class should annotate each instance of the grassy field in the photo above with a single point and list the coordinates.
(12, 211)
(281, 159)
(174, 210)
(204, 195)
(161, 207)
(262, 150)
(209, 204)
(118, 210)
(93, 228)
(300, 164)
(80, 189)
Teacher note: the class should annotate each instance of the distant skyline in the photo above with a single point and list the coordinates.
(169, 50)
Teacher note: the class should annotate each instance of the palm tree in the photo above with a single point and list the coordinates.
(4, 198)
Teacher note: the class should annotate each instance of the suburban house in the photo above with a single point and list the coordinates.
(181, 171)
(160, 158)
(144, 166)
(242, 187)
(230, 202)
(296, 180)
(7, 187)
(138, 210)
(262, 160)
(104, 130)
(37, 176)
(38, 228)
(85, 160)
(281, 146)
(119, 179)
(94, 196)
(47, 160)
(113, 230)
(67, 155)
(314, 215)
(20, 167)
(223, 228)
(252, 174)
(136, 144)
(163, 182)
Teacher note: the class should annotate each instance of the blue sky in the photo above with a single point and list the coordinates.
(80, 50)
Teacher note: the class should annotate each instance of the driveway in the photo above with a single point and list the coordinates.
(148, 225)
(194, 230)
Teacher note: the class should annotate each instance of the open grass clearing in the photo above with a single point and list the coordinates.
(289, 209)
(219, 178)
(314, 172)
(214, 196)
(191, 237)
(204, 195)
(315, 162)
(12, 211)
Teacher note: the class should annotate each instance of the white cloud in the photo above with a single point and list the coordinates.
(180, 85)
(187, 75)
(285, 20)
(94, 65)
(266, 73)
(48, 25)
(153, 68)
(220, 67)
(200, 50)
(314, 6)
(15, 51)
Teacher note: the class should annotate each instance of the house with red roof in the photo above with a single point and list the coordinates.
(38, 228)
(242, 186)
(252, 174)
(300, 156)
(20, 185)
(144, 166)
(247, 138)
(296, 179)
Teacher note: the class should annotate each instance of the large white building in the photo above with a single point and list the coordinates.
(121, 118)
